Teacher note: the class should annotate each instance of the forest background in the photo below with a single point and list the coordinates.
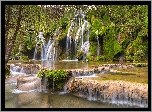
(122, 30)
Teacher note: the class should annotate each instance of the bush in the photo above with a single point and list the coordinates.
(24, 58)
(56, 76)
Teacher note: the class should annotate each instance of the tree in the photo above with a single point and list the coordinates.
(122, 27)
(10, 25)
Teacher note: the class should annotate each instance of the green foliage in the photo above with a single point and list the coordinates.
(129, 58)
(80, 55)
(54, 75)
(137, 50)
(57, 76)
(60, 85)
(93, 49)
(96, 25)
(24, 58)
(63, 22)
(7, 70)
(130, 22)
(101, 59)
(111, 46)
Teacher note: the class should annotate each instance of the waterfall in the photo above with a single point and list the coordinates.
(22, 70)
(80, 38)
(14, 70)
(68, 40)
(85, 47)
(47, 50)
(109, 91)
(35, 53)
(98, 47)
(90, 94)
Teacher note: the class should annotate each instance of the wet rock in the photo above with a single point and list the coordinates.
(28, 83)
(109, 90)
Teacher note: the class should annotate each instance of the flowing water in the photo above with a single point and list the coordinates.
(46, 99)
(50, 98)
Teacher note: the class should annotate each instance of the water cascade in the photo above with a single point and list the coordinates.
(98, 46)
(48, 50)
(115, 92)
(25, 76)
(16, 69)
(81, 39)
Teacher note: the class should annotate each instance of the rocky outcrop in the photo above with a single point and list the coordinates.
(28, 83)
(103, 68)
(25, 68)
(110, 91)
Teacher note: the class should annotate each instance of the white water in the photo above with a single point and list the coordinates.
(98, 47)
(47, 50)
(79, 39)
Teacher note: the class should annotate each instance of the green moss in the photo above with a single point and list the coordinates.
(60, 85)
(7, 70)
(56, 76)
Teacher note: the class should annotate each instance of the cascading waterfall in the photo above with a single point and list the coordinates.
(47, 50)
(16, 69)
(68, 40)
(114, 92)
(26, 78)
(35, 52)
(98, 45)
(22, 70)
(80, 38)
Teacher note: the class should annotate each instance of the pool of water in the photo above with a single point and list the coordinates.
(51, 99)
(56, 98)
(63, 64)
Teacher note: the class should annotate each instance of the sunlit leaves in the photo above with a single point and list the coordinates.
(54, 75)
(128, 21)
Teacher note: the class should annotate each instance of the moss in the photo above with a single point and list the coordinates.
(7, 70)
(60, 85)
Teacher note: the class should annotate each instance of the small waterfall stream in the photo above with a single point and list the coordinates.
(98, 45)
(109, 91)
(48, 50)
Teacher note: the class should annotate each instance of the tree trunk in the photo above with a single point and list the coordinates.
(7, 27)
(13, 39)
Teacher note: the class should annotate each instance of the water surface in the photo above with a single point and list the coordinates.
(58, 98)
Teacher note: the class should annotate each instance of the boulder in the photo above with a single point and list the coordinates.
(26, 83)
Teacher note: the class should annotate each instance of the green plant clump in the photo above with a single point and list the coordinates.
(56, 76)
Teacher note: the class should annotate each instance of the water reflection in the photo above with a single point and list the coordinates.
(59, 99)
(45, 99)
